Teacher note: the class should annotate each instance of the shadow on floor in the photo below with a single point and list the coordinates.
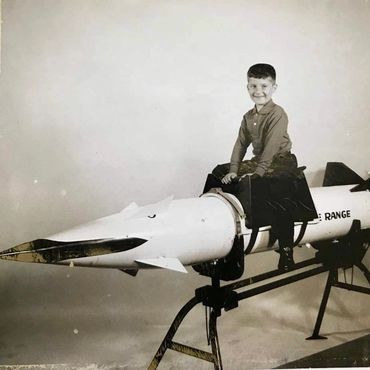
(355, 353)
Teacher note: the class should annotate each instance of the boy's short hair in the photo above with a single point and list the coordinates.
(262, 70)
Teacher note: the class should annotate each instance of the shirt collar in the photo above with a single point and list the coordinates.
(266, 108)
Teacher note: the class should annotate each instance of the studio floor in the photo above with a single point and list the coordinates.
(56, 317)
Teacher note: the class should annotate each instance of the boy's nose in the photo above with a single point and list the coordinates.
(258, 89)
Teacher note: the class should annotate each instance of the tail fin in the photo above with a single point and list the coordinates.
(337, 173)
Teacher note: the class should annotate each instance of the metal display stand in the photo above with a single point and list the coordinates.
(346, 253)
(331, 257)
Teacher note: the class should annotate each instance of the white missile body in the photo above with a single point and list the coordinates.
(201, 229)
(178, 233)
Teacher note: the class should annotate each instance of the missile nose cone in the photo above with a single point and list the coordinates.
(53, 251)
(23, 252)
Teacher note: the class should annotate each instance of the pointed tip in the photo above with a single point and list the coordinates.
(22, 253)
(54, 252)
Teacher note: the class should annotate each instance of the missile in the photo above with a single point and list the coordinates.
(175, 233)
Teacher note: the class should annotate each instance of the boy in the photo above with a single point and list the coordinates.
(265, 127)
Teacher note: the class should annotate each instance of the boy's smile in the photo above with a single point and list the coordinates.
(261, 90)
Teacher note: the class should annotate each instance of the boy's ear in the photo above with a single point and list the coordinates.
(275, 86)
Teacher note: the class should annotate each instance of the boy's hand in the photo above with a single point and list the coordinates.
(227, 179)
(254, 176)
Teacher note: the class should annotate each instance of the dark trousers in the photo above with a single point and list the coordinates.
(265, 200)
(282, 165)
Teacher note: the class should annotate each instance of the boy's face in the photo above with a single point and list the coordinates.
(261, 89)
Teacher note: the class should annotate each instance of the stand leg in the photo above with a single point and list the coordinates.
(365, 270)
(167, 341)
(333, 274)
(214, 340)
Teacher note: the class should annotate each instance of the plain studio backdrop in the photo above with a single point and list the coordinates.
(107, 102)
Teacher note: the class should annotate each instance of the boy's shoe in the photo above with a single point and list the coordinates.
(286, 261)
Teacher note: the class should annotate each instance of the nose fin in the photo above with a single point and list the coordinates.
(130, 208)
(151, 210)
(165, 263)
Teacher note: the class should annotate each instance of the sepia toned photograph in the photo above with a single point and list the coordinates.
(184, 184)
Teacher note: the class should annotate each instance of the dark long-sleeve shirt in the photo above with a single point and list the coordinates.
(266, 130)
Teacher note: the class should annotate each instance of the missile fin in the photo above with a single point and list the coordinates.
(151, 210)
(337, 173)
(132, 272)
(131, 207)
(165, 263)
(365, 185)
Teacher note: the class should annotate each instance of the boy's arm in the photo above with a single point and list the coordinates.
(240, 147)
(274, 136)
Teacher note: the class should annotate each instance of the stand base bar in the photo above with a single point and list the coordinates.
(356, 288)
(268, 275)
(191, 351)
(282, 282)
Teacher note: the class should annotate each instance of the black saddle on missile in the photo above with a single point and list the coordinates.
(275, 201)
(266, 198)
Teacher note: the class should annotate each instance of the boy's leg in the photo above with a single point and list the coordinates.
(284, 227)
(211, 182)
(221, 170)
(282, 173)
(283, 165)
